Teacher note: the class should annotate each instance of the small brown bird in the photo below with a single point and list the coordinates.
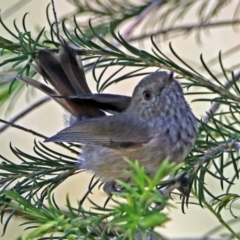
(155, 124)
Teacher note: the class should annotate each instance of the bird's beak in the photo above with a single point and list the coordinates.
(170, 78)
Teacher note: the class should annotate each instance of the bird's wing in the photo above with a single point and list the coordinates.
(109, 131)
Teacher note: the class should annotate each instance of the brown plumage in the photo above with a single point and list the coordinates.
(154, 124)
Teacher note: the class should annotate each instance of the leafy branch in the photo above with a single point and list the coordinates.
(26, 185)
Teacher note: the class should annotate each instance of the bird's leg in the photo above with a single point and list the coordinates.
(186, 185)
(110, 187)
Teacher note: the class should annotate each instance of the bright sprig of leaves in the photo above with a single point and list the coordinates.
(136, 211)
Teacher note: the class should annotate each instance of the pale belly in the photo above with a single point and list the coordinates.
(108, 164)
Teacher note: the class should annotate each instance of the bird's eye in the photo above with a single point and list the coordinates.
(147, 95)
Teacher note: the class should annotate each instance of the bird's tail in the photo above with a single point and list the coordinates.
(64, 71)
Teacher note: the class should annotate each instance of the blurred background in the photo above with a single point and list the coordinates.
(48, 119)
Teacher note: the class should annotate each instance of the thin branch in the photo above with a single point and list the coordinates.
(56, 20)
(214, 107)
(24, 112)
(210, 153)
(138, 19)
(24, 129)
(207, 83)
(221, 220)
(36, 134)
(219, 227)
(166, 191)
(187, 28)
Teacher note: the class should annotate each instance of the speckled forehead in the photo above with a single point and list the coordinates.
(153, 80)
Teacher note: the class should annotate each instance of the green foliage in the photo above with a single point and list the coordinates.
(136, 210)
(25, 186)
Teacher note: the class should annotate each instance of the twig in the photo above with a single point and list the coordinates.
(213, 151)
(187, 27)
(214, 107)
(36, 134)
(209, 154)
(24, 129)
(137, 20)
(217, 88)
(166, 191)
(24, 112)
(56, 20)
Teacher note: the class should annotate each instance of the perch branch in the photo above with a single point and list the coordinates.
(24, 112)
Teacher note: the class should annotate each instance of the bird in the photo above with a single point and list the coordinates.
(154, 124)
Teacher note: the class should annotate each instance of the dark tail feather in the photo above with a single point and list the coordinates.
(67, 77)
(71, 91)
(73, 69)
(111, 103)
(47, 90)
(51, 69)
